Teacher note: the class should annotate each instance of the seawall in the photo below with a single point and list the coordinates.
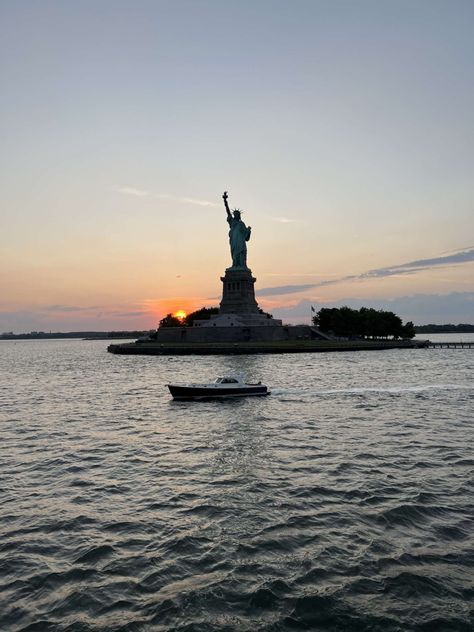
(284, 346)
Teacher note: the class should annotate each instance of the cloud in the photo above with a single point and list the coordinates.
(67, 308)
(186, 200)
(455, 258)
(456, 307)
(102, 311)
(460, 256)
(131, 191)
(164, 196)
(73, 318)
(285, 289)
(130, 314)
(284, 220)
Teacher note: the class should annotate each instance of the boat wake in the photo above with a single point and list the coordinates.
(391, 390)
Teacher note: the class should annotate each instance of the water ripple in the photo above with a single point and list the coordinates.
(342, 502)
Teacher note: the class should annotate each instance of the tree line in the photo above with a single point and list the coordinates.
(343, 322)
(462, 328)
(365, 322)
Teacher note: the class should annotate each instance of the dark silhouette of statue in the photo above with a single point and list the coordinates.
(239, 234)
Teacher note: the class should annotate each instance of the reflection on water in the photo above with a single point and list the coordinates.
(343, 501)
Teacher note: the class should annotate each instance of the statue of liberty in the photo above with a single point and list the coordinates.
(239, 234)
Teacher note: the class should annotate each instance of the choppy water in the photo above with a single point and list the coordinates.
(344, 501)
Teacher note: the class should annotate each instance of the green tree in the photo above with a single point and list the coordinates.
(369, 317)
(170, 321)
(390, 324)
(324, 319)
(200, 314)
(365, 323)
(408, 330)
(350, 322)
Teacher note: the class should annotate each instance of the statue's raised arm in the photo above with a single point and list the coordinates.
(226, 204)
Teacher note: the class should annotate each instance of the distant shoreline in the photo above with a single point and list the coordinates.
(85, 335)
(108, 335)
(463, 328)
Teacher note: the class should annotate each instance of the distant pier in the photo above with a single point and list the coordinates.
(451, 345)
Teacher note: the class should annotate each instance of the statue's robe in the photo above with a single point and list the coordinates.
(239, 234)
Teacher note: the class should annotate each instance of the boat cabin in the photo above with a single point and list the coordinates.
(226, 380)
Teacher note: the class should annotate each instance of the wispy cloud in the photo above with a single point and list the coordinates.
(455, 258)
(186, 200)
(131, 191)
(118, 311)
(460, 256)
(182, 199)
(285, 289)
(284, 220)
(75, 318)
(292, 274)
(68, 308)
(130, 314)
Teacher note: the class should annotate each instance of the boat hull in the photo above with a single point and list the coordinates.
(200, 392)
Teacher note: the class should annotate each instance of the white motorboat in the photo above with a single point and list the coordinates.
(224, 386)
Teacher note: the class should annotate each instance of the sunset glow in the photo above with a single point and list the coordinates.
(180, 314)
(352, 159)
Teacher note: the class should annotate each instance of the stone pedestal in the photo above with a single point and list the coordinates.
(238, 310)
(238, 294)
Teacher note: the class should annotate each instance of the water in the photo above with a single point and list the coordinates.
(344, 501)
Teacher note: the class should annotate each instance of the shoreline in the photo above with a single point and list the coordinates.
(238, 348)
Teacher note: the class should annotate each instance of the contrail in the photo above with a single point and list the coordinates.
(458, 257)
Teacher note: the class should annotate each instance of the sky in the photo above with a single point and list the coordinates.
(343, 129)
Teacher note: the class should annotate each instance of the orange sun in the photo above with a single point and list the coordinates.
(180, 314)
